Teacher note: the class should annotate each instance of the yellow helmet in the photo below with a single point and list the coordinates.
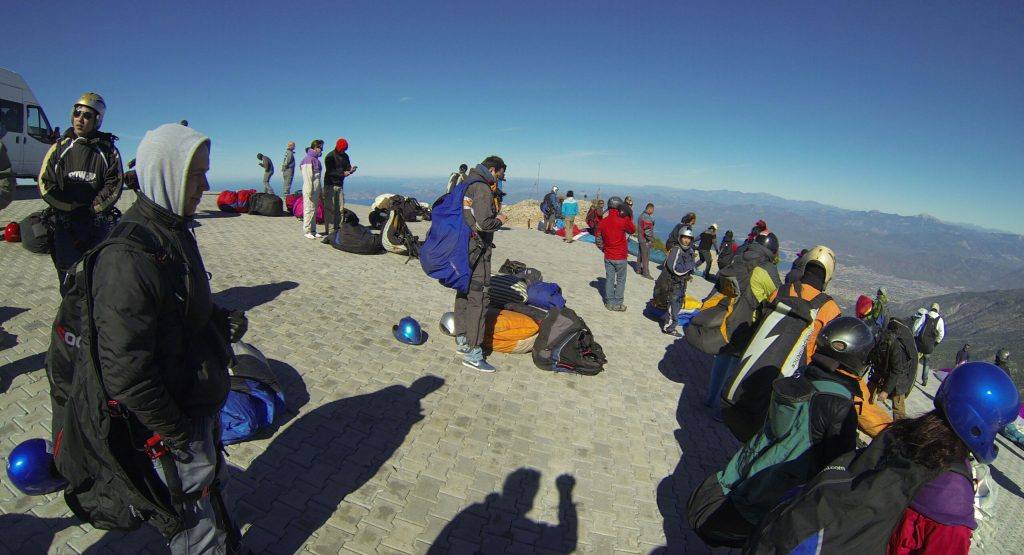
(94, 101)
(823, 256)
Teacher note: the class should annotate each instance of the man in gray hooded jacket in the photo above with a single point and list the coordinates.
(163, 345)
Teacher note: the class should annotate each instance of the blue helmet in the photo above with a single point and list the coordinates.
(978, 399)
(30, 468)
(408, 331)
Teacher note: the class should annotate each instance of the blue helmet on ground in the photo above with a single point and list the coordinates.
(408, 331)
(978, 399)
(31, 469)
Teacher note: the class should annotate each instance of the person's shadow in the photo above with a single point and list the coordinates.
(293, 487)
(247, 297)
(28, 534)
(7, 339)
(499, 523)
(706, 445)
(21, 366)
(600, 284)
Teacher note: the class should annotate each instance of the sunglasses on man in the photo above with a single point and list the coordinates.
(84, 114)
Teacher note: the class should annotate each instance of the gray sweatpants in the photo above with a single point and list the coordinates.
(266, 182)
(287, 176)
(197, 469)
(470, 306)
(643, 259)
(334, 206)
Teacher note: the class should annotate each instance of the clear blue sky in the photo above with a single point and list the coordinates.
(904, 107)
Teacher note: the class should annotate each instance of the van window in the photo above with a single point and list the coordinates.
(38, 126)
(12, 116)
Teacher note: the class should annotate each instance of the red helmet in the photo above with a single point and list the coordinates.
(12, 233)
(864, 305)
(341, 145)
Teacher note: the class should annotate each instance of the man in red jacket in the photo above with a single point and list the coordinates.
(611, 237)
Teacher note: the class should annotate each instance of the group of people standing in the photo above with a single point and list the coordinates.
(323, 183)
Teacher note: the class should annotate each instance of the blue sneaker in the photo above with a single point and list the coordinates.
(461, 345)
(481, 365)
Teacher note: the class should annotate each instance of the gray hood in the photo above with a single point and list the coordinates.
(162, 162)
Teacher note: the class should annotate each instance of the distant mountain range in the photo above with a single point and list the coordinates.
(987, 320)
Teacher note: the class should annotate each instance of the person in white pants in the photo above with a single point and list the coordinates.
(311, 189)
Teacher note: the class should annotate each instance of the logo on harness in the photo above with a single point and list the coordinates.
(68, 337)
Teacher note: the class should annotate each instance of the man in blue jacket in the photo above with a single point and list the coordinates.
(569, 211)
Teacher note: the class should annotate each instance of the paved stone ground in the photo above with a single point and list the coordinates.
(394, 449)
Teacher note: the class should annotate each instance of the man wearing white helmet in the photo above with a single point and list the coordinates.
(929, 330)
(81, 180)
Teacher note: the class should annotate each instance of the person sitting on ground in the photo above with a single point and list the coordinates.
(311, 188)
(705, 245)
(550, 208)
(594, 216)
(759, 227)
(456, 177)
(611, 238)
(268, 172)
(929, 330)
(164, 357)
(788, 452)
(911, 490)
(645, 238)
(680, 264)
(726, 249)
(570, 208)
(963, 355)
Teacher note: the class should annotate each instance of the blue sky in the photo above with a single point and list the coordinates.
(910, 107)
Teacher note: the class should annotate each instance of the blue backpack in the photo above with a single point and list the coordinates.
(444, 256)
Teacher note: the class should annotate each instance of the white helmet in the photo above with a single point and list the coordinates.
(554, 188)
(686, 232)
(824, 257)
(714, 227)
(447, 324)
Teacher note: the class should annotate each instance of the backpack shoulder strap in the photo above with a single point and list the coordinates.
(829, 387)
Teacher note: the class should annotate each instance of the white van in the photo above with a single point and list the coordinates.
(29, 134)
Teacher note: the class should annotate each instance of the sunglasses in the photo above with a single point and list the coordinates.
(84, 114)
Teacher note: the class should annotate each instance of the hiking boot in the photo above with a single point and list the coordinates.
(620, 308)
(461, 346)
(610, 307)
(310, 236)
(671, 331)
(481, 365)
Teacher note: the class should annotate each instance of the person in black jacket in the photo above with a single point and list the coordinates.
(726, 250)
(337, 167)
(705, 245)
(895, 363)
(81, 179)
(163, 344)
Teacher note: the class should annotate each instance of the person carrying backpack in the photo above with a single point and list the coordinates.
(894, 361)
(726, 250)
(158, 355)
(929, 330)
(752, 277)
(680, 265)
(456, 177)
(594, 216)
(611, 238)
(785, 339)
(911, 490)
(570, 208)
(480, 213)
(268, 171)
(811, 422)
(81, 179)
(550, 208)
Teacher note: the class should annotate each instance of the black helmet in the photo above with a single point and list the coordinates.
(769, 240)
(849, 341)
(615, 202)
(1002, 356)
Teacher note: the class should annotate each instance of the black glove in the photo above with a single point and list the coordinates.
(238, 324)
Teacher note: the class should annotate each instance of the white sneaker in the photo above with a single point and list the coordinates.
(321, 235)
(310, 236)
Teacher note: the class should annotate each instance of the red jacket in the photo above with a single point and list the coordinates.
(917, 534)
(613, 230)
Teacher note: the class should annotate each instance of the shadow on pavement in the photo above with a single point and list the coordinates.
(32, 533)
(247, 297)
(499, 523)
(7, 339)
(216, 214)
(599, 284)
(25, 365)
(1006, 483)
(292, 488)
(706, 445)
